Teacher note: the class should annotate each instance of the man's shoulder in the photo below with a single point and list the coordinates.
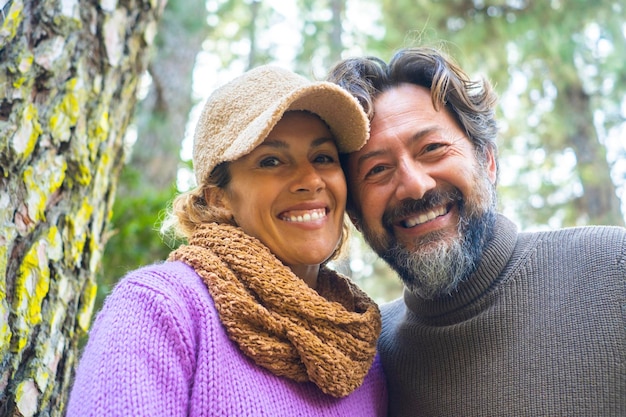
(593, 246)
(392, 314)
(595, 235)
(392, 311)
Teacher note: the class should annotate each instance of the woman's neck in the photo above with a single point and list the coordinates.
(307, 273)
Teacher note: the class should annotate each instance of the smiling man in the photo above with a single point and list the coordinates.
(493, 322)
(429, 196)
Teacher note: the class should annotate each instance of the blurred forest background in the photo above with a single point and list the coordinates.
(558, 66)
(72, 72)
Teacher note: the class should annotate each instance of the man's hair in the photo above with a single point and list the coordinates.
(471, 103)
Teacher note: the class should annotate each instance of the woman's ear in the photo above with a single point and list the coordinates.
(216, 197)
(218, 203)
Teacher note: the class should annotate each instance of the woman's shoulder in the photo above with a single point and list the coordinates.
(169, 278)
(171, 288)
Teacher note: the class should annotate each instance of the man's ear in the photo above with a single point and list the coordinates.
(492, 165)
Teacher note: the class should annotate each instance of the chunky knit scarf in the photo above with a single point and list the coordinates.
(326, 336)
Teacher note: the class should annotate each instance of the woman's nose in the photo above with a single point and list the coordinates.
(307, 179)
(413, 181)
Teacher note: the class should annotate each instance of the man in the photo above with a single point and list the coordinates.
(493, 322)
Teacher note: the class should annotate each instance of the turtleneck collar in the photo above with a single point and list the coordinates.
(450, 309)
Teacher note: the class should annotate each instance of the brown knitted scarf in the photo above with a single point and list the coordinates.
(326, 336)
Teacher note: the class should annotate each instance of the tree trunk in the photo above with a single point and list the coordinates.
(162, 116)
(254, 21)
(69, 72)
(336, 46)
(599, 202)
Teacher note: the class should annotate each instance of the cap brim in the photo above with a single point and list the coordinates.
(339, 110)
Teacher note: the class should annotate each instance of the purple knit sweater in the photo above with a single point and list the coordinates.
(157, 348)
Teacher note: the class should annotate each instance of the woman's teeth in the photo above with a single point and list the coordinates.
(304, 216)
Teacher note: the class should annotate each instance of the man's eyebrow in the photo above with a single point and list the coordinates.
(416, 137)
(369, 155)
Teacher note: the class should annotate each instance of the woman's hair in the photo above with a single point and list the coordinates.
(190, 209)
(471, 103)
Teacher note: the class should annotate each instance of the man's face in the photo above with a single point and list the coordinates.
(421, 197)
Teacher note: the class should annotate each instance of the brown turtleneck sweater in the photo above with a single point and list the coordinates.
(538, 330)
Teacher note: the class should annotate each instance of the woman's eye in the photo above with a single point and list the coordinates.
(324, 159)
(271, 161)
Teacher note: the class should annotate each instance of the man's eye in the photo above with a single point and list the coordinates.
(269, 162)
(433, 147)
(376, 170)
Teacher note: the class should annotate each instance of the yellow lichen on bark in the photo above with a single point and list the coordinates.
(67, 95)
(25, 139)
(11, 22)
(31, 286)
(41, 181)
(65, 114)
(86, 306)
(5, 330)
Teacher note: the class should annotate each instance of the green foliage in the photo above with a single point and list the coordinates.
(134, 237)
(556, 65)
(235, 31)
(540, 56)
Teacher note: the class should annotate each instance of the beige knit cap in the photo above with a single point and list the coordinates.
(238, 116)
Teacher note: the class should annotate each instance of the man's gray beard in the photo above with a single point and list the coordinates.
(431, 272)
(440, 265)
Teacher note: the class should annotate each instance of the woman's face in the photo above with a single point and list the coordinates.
(290, 191)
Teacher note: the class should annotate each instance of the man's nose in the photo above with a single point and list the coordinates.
(413, 181)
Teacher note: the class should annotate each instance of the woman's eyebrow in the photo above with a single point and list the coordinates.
(274, 143)
(321, 141)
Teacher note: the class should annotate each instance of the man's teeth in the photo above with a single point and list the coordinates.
(307, 216)
(424, 217)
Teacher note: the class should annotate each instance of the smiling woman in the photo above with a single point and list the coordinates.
(246, 319)
(290, 193)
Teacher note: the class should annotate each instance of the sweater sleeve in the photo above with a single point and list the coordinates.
(139, 357)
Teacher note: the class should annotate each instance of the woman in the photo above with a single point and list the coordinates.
(245, 319)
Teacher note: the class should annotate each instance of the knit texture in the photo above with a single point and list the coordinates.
(277, 319)
(238, 116)
(157, 348)
(538, 330)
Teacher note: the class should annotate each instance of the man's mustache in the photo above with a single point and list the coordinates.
(432, 198)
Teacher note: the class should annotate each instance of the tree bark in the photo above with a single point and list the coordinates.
(69, 73)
